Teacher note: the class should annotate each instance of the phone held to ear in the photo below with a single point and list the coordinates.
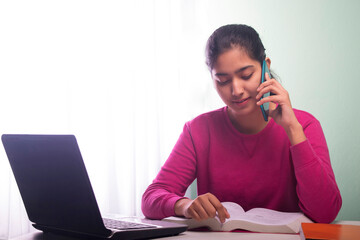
(265, 107)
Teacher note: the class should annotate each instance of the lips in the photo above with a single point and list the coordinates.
(241, 101)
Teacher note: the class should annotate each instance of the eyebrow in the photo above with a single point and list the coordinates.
(237, 71)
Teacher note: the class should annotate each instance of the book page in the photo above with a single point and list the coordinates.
(234, 209)
(270, 217)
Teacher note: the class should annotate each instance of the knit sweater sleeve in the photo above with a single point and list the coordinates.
(173, 179)
(319, 196)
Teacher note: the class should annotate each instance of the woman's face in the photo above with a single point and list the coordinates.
(236, 77)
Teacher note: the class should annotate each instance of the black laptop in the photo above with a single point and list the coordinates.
(58, 195)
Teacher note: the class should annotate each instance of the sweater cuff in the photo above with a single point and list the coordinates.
(302, 154)
(170, 205)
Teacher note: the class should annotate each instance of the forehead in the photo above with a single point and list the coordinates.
(232, 60)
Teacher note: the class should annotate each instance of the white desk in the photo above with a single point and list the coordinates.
(191, 235)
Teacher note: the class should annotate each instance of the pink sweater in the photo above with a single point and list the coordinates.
(261, 170)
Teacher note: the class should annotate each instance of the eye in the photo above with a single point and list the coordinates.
(246, 77)
(223, 82)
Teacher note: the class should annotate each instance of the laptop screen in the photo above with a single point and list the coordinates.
(53, 182)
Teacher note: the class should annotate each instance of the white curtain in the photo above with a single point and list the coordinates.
(123, 76)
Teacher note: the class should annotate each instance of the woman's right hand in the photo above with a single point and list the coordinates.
(203, 207)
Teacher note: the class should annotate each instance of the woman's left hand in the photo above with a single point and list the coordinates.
(280, 108)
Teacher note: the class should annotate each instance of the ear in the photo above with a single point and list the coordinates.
(268, 62)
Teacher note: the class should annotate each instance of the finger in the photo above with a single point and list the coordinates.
(272, 89)
(271, 98)
(267, 77)
(220, 209)
(191, 213)
(263, 85)
(227, 214)
(200, 209)
(268, 83)
(208, 207)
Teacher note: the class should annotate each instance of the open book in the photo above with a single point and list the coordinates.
(255, 220)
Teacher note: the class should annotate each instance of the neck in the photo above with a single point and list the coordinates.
(249, 124)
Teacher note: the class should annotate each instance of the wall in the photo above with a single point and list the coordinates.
(314, 48)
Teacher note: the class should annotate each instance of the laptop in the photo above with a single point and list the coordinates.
(58, 196)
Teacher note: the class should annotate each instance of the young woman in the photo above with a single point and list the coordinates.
(281, 164)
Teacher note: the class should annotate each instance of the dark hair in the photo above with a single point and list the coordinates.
(230, 36)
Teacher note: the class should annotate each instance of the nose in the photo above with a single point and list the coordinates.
(237, 87)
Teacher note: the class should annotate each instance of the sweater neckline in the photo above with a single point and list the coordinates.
(235, 131)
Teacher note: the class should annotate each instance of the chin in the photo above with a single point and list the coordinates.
(244, 111)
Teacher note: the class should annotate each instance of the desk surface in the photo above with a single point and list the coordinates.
(191, 235)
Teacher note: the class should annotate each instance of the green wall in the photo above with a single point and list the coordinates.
(314, 48)
(318, 62)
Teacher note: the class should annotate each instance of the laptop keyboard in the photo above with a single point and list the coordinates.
(123, 225)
